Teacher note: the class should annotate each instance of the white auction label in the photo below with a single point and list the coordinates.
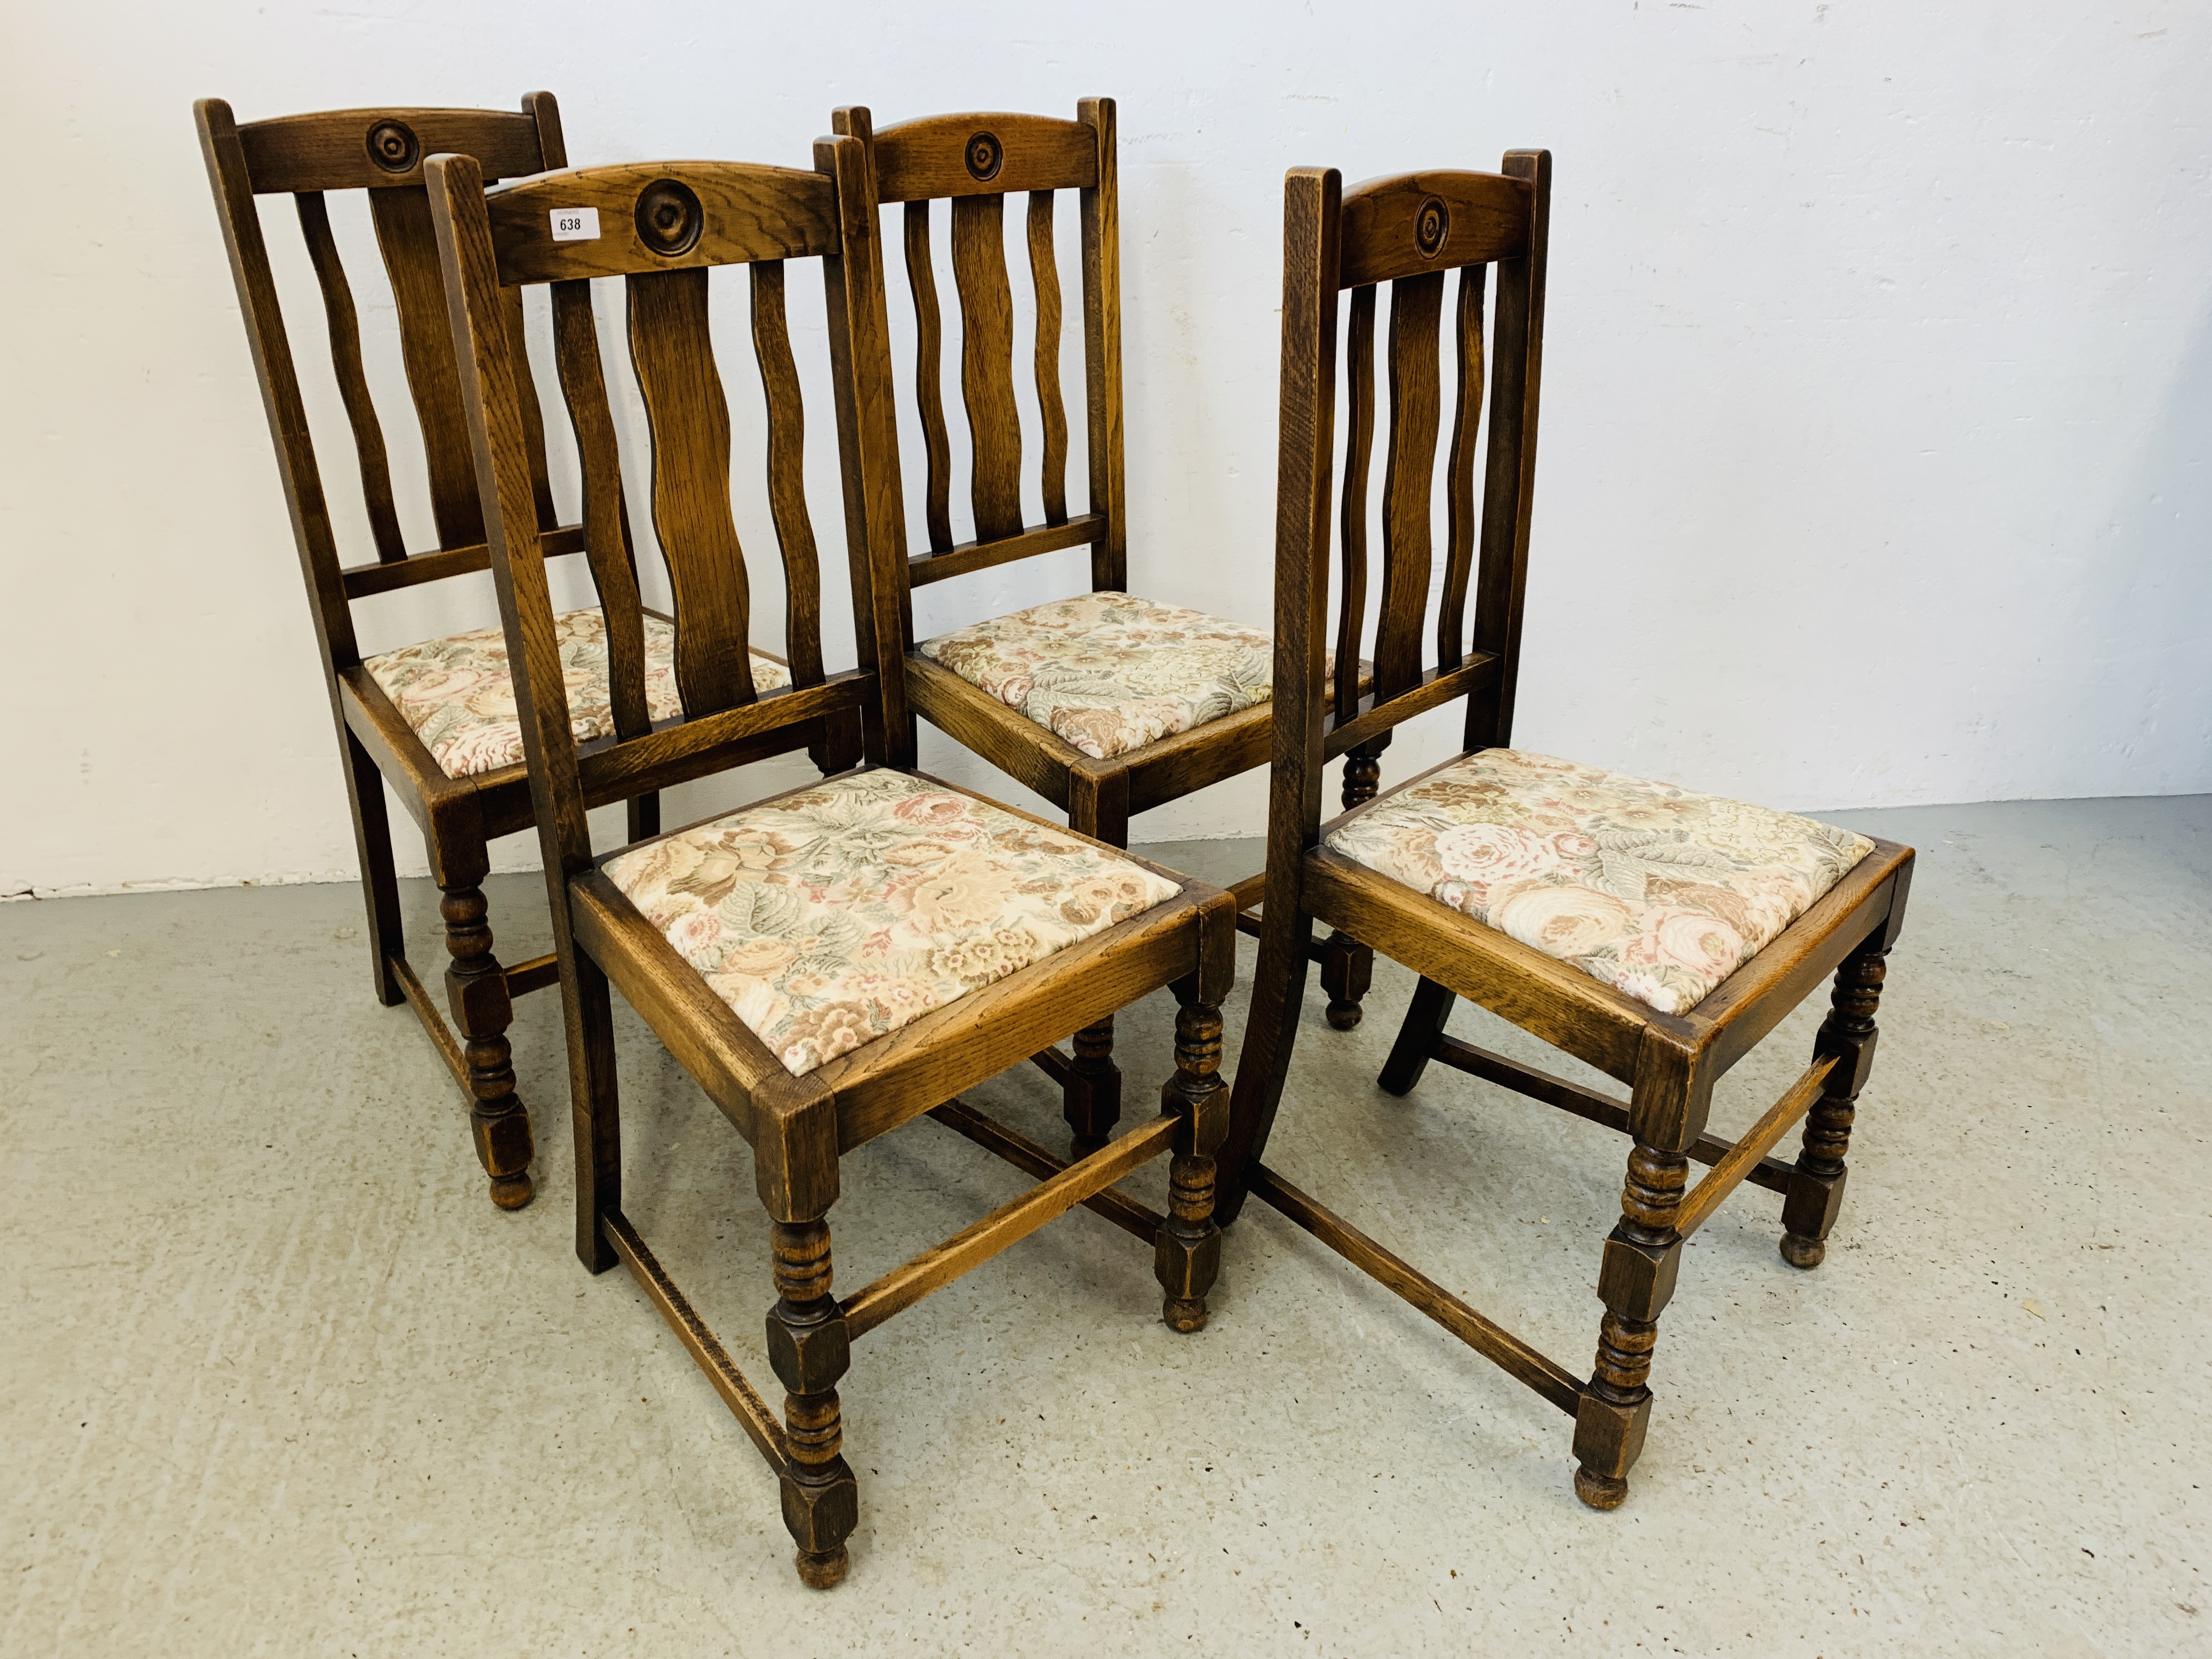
(575, 224)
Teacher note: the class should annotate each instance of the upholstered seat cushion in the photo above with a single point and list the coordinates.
(458, 693)
(1660, 892)
(826, 918)
(1109, 672)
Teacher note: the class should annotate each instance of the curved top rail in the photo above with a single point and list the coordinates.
(1411, 223)
(983, 153)
(639, 217)
(376, 149)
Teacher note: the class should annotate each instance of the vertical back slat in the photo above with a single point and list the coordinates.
(353, 379)
(1102, 348)
(1408, 478)
(928, 367)
(1044, 272)
(606, 521)
(1459, 468)
(1360, 448)
(987, 363)
(689, 422)
(533, 412)
(402, 217)
(787, 480)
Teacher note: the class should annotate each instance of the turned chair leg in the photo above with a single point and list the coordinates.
(1186, 1250)
(1642, 1256)
(1815, 1196)
(1347, 967)
(476, 991)
(1090, 1099)
(380, 876)
(809, 1349)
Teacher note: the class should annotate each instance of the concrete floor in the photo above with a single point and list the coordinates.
(277, 1379)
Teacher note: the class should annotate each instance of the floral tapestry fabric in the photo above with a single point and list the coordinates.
(1660, 892)
(458, 693)
(830, 917)
(1109, 672)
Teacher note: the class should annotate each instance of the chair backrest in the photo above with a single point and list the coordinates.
(380, 151)
(976, 161)
(662, 227)
(1410, 231)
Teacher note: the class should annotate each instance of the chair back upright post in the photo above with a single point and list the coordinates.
(1411, 231)
(974, 162)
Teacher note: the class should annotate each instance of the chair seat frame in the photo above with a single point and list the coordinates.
(1395, 229)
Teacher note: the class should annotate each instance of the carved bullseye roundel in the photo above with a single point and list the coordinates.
(669, 220)
(1431, 226)
(393, 147)
(985, 156)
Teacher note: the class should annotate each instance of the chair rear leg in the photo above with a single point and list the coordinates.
(1090, 1096)
(1642, 1256)
(1417, 1038)
(476, 991)
(1090, 1099)
(1347, 967)
(595, 1113)
(1815, 1197)
(1186, 1251)
(379, 877)
(809, 1348)
(643, 816)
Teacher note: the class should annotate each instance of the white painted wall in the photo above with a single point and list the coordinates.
(1877, 409)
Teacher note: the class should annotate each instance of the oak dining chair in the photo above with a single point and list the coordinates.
(438, 720)
(1652, 932)
(1105, 703)
(832, 963)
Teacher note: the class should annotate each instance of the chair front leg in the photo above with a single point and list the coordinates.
(476, 991)
(1815, 1197)
(1347, 967)
(809, 1348)
(1642, 1256)
(1186, 1250)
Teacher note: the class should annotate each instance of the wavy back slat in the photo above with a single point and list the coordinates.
(1358, 452)
(672, 352)
(606, 514)
(928, 365)
(987, 363)
(1416, 305)
(1459, 469)
(402, 218)
(1044, 276)
(786, 475)
(352, 378)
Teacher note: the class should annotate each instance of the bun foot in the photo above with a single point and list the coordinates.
(1343, 1016)
(1599, 1491)
(1800, 1251)
(512, 1192)
(1184, 1314)
(825, 1569)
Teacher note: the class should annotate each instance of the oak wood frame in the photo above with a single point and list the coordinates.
(382, 151)
(798, 1127)
(1409, 230)
(973, 161)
